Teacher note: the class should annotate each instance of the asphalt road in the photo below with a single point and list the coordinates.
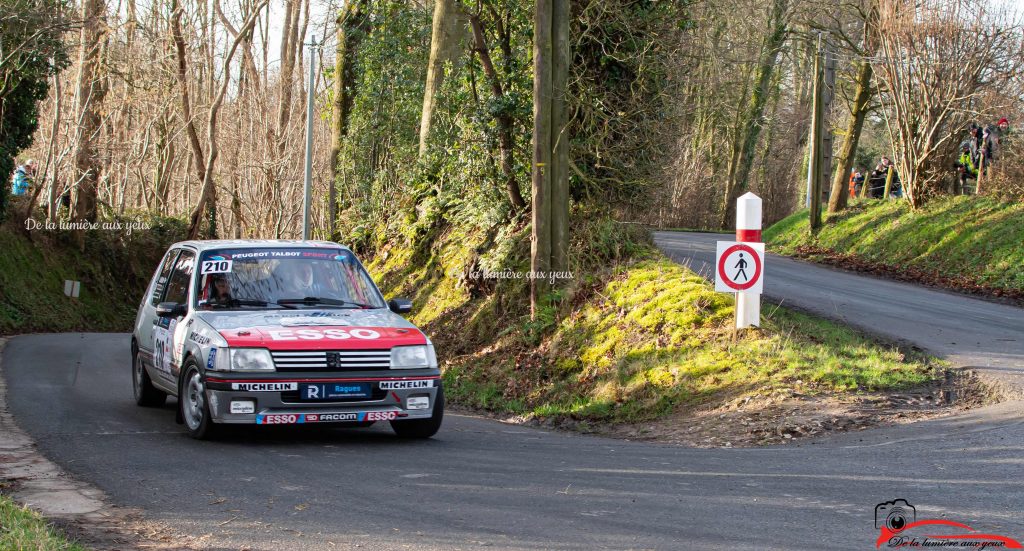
(484, 484)
(480, 483)
(969, 332)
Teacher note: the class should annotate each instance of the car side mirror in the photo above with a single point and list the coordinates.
(170, 310)
(400, 305)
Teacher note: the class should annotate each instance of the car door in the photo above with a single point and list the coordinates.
(168, 333)
(146, 319)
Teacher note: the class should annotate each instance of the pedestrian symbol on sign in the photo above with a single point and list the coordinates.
(741, 265)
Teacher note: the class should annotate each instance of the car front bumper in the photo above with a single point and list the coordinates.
(387, 401)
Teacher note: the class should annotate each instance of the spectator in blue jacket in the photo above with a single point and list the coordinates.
(22, 181)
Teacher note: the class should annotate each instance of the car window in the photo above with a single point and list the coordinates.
(263, 278)
(161, 278)
(177, 285)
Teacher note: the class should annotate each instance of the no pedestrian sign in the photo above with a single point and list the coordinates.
(740, 267)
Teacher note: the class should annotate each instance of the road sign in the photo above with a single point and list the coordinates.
(740, 267)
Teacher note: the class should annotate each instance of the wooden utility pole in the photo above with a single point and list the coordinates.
(550, 236)
(820, 167)
(540, 240)
(814, 164)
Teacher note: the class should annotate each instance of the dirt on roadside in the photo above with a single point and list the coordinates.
(786, 416)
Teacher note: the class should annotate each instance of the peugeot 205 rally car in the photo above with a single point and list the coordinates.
(280, 332)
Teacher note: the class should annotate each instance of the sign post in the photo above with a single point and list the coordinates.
(740, 264)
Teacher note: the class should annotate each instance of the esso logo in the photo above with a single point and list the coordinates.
(380, 415)
(320, 334)
(282, 419)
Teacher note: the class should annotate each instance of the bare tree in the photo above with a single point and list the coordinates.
(91, 90)
(750, 123)
(204, 166)
(936, 57)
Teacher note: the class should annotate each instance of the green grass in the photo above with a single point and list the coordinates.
(975, 240)
(635, 337)
(24, 529)
(656, 338)
(113, 270)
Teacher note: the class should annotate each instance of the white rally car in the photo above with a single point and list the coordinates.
(280, 332)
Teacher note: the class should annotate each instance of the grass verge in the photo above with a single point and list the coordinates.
(968, 243)
(114, 270)
(23, 529)
(634, 336)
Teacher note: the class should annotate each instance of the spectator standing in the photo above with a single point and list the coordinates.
(21, 183)
(966, 168)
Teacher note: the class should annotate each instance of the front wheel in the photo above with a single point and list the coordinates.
(146, 394)
(195, 411)
(422, 428)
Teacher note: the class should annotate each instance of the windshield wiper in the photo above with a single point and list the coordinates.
(312, 301)
(238, 302)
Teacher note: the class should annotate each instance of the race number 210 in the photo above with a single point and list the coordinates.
(216, 266)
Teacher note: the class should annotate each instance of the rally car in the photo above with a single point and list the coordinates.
(280, 332)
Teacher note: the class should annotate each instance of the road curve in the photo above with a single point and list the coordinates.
(484, 484)
(968, 331)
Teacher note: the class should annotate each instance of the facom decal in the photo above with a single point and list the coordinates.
(331, 417)
(264, 387)
(405, 385)
(210, 360)
(318, 334)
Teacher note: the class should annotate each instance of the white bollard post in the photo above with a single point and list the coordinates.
(748, 229)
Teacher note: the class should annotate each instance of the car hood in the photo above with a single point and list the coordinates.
(333, 329)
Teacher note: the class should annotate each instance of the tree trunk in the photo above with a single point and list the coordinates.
(288, 51)
(445, 35)
(91, 90)
(506, 139)
(753, 119)
(51, 194)
(848, 151)
(186, 111)
(352, 27)
(540, 245)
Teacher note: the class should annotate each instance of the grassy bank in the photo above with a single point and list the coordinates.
(970, 243)
(635, 337)
(23, 529)
(113, 269)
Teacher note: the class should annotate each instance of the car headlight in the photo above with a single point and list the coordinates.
(413, 357)
(251, 359)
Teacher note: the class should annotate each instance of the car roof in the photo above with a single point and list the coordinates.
(205, 245)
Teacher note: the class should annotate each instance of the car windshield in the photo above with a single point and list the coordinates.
(284, 278)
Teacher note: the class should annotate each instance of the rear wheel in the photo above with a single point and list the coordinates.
(195, 410)
(422, 428)
(146, 394)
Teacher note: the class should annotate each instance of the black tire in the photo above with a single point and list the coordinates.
(146, 395)
(192, 404)
(422, 428)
